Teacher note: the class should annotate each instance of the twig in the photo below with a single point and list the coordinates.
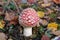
(8, 2)
(1, 3)
(6, 5)
(16, 6)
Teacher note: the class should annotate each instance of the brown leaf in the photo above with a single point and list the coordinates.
(56, 32)
(10, 16)
(14, 21)
(43, 22)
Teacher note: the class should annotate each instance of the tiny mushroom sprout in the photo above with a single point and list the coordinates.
(28, 19)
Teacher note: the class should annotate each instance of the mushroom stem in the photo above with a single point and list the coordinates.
(27, 31)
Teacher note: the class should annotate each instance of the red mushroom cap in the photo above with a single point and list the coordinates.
(28, 17)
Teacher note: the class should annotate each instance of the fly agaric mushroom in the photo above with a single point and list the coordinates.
(28, 19)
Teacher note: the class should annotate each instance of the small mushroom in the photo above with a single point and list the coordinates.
(28, 19)
(3, 36)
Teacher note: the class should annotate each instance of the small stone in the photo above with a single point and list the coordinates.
(3, 36)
